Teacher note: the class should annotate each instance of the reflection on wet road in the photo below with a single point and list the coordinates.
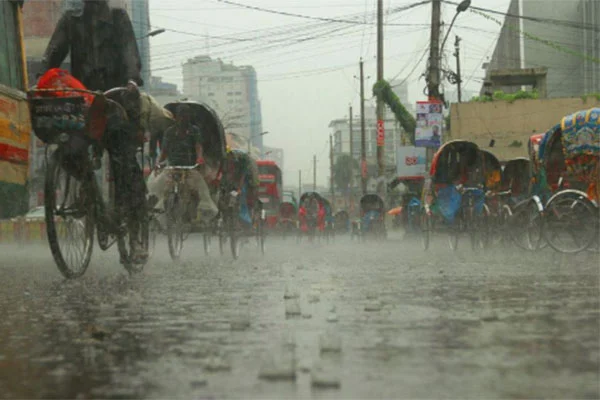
(346, 320)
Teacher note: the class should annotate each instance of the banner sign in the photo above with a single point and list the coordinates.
(411, 161)
(380, 133)
(430, 122)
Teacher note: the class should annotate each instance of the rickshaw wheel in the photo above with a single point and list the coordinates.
(426, 230)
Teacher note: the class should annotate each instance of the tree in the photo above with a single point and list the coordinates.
(383, 91)
(344, 170)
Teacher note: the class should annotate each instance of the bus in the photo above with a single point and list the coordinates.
(270, 189)
(15, 123)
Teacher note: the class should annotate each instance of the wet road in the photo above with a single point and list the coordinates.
(348, 320)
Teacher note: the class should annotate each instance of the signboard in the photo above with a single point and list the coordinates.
(430, 122)
(411, 161)
(380, 133)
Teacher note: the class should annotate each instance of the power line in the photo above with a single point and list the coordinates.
(324, 19)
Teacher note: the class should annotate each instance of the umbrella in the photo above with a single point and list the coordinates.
(395, 211)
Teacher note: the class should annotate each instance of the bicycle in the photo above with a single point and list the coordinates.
(472, 218)
(74, 204)
(177, 208)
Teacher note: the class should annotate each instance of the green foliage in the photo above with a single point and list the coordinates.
(516, 143)
(383, 91)
(585, 97)
(344, 171)
(509, 97)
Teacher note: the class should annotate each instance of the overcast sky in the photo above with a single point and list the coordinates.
(306, 68)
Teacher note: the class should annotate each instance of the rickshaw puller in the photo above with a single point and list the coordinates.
(182, 147)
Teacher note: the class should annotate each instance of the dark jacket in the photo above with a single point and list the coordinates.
(104, 52)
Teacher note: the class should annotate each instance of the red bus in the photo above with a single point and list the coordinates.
(270, 189)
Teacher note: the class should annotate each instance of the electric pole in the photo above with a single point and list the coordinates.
(458, 74)
(363, 144)
(315, 173)
(350, 123)
(331, 180)
(380, 104)
(433, 81)
(433, 76)
(299, 184)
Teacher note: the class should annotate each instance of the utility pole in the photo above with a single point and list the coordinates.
(331, 180)
(458, 74)
(380, 104)
(315, 173)
(350, 123)
(299, 184)
(433, 76)
(363, 144)
(433, 81)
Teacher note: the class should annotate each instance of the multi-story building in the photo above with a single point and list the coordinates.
(231, 90)
(562, 38)
(341, 137)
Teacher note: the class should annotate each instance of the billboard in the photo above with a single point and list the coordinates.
(430, 122)
(411, 161)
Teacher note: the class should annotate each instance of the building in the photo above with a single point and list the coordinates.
(400, 89)
(340, 130)
(231, 90)
(570, 25)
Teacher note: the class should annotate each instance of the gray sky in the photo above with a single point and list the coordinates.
(304, 84)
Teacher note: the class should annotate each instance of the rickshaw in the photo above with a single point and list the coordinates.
(453, 195)
(288, 212)
(311, 215)
(241, 212)
(342, 222)
(174, 224)
(492, 169)
(570, 164)
(408, 212)
(515, 199)
(372, 218)
(328, 231)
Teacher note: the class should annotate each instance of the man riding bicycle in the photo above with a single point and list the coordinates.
(241, 173)
(104, 55)
(182, 146)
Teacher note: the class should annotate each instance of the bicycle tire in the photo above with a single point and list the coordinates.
(55, 165)
(586, 207)
(174, 214)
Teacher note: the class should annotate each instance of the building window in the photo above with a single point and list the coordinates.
(238, 93)
(211, 94)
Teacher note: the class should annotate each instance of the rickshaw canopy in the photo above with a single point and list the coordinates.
(516, 171)
(445, 164)
(372, 200)
(211, 128)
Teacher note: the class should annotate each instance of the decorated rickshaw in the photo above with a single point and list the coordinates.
(453, 195)
(213, 146)
(569, 158)
(311, 215)
(407, 213)
(372, 218)
(287, 222)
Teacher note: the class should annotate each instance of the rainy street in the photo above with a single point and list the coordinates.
(344, 320)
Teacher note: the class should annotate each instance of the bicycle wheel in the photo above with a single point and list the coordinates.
(124, 245)
(69, 219)
(570, 222)
(505, 218)
(175, 231)
(234, 240)
(206, 241)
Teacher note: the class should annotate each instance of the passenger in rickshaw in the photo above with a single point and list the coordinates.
(239, 172)
(321, 216)
(308, 212)
(182, 147)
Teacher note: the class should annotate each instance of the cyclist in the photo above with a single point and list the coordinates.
(182, 146)
(104, 55)
(241, 172)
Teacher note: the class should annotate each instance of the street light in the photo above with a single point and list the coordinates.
(152, 33)
(462, 7)
(250, 140)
